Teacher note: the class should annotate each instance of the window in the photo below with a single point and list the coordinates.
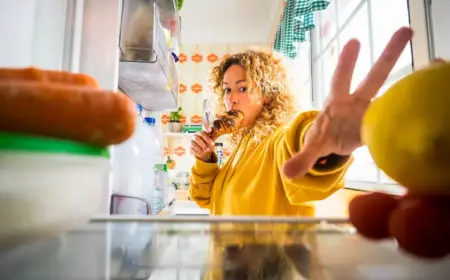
(372, 22)
(298, 72)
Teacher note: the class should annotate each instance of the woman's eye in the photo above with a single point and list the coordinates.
(226, 91)
(243, 89)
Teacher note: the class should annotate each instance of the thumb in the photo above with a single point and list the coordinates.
(207, 127)
(302, 162)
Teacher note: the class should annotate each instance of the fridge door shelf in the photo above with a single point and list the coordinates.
(147, 71)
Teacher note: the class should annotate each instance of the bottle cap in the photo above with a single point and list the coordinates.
(148, 120)
(139, 107)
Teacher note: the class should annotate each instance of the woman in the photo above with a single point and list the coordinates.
(281, 163)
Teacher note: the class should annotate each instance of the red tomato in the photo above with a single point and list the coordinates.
(421, 226)
(370, 214)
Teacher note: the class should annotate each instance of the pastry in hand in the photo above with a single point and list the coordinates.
(226, 123)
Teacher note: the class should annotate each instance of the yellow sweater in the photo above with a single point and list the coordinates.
(250, 181)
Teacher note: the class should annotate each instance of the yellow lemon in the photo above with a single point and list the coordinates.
(407, 130)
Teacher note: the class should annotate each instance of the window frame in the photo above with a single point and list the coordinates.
(421, 52)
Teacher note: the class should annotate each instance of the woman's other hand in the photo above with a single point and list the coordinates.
(336, 129)
(202, 146)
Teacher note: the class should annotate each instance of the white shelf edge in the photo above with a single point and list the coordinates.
(178, 134)
(374, 187)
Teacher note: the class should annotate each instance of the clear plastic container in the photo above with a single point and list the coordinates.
(47, 185)
(142, 37)
(147, 71)
(139, 31)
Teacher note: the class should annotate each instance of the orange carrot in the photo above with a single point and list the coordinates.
(52, 76)
(77, 113)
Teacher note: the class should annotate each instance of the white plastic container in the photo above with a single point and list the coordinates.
(47, 185)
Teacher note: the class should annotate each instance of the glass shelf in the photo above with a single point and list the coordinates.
(222, 248)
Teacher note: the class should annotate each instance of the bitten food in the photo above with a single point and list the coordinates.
(51, 76)
(226, 123)
(64, 105)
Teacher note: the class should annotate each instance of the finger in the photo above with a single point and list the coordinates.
(207, 127)
(342, 76)
(302, 162)
(205, 137)
(383, 66)
(193, 149)
(197, 149)
(200, 142)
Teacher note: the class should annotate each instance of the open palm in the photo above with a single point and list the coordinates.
(337, 127)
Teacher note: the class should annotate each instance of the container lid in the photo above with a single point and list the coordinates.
(161, 166)
(139, 107)
(150, 120)
(30, 143)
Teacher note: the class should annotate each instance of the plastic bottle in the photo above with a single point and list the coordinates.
(159, 143)
(165, 184)
(132, 176)
(156, 139)
(158, 198)
(170, 187)
(219, 152)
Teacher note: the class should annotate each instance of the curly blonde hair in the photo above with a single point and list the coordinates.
(268, 73)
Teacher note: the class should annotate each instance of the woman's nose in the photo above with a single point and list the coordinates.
(234, 97)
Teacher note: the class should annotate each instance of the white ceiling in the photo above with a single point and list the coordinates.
(229, 21)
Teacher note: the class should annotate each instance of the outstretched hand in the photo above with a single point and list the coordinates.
(336, 129)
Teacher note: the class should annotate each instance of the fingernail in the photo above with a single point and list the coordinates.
(289, 179)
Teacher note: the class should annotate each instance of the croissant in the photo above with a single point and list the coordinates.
(226, 123)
